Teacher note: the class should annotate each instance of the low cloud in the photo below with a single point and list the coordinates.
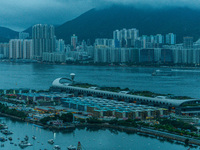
(21, 14)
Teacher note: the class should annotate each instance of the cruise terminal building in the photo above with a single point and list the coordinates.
(179, 106)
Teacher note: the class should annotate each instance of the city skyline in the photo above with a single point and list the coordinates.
(126, 46)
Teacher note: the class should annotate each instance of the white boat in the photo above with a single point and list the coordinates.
(50, 141)
(71, 147)
(161, 73)
(24, 144)
(56, 147)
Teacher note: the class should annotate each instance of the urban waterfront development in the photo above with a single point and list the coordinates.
(39, 102)
(85, 75)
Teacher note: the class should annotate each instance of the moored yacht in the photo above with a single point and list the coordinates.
(24, 144)
(50, 141)
(6, 132)
(56, 147)
(71, 147)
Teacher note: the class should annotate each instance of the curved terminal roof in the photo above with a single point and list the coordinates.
(158, 100)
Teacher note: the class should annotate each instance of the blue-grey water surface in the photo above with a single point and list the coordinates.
(40, 76)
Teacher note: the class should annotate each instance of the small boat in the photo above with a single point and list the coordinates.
(2, 139)
(34, 137)
(161, 73)
(50, 141)
(56, 147)
(71, 147)
(26, 138)
(10, 138)
(6, 132)
(24, 144)
(3, 126)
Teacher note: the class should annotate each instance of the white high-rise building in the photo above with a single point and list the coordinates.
(20, 49)
(133, 34)
(43, 39)
(170, 38)
(28, 49)
(116, 35)
(4, 50)
(159, 39)
(143, 40)
(123, 34)
(60, 45)
(16, 49)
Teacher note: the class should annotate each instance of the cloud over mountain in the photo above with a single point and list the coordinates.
(20, 14)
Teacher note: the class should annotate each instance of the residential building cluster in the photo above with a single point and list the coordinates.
(43, 46)
(126, 46)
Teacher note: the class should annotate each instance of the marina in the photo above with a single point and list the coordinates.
(91, 138)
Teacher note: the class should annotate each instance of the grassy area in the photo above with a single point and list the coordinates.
(139, 93)
(180, 97)
(83, 85)
(186, 105)
(147, 94)
(169, 125)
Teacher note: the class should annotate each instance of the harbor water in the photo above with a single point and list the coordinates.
(40, 76)
(90, 138)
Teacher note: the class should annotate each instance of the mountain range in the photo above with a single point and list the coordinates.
(6, 34)
(100, 23)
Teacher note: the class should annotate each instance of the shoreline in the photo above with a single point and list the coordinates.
(142, 130)
(108, 65)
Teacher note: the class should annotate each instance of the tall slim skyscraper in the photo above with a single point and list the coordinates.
(74, 40)
(133, 35)
(116, 37)
(60, 45)
(27, 49)
(43, 39)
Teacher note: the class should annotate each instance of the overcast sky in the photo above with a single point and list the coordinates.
(21, 14)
